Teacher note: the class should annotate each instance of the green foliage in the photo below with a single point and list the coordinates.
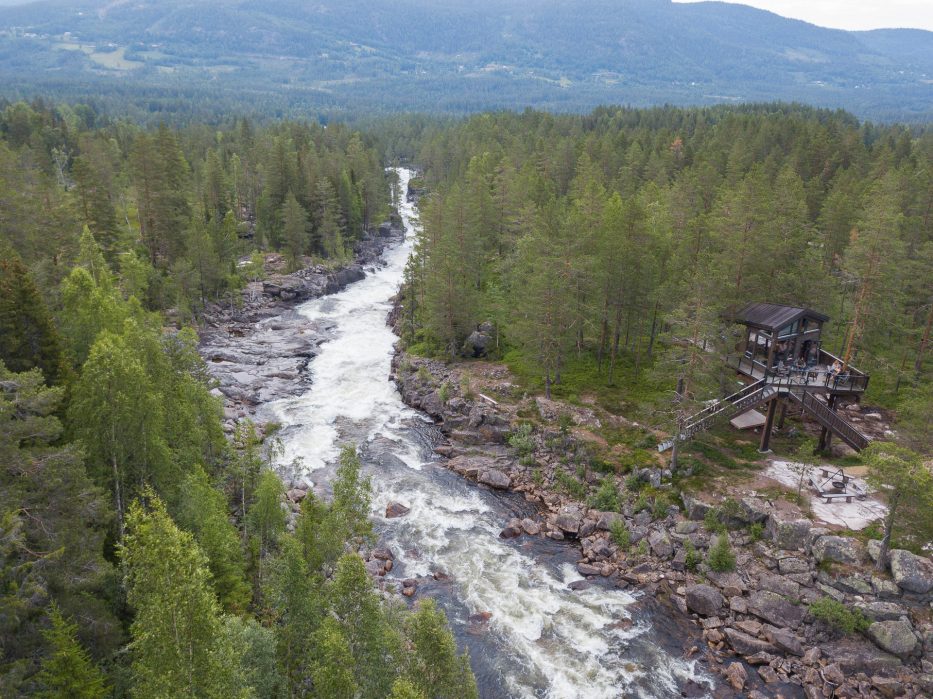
(692, 558)
(712, 520)
(606, 497)
(434, 667)
(522, 439)
(333, 671)
(839, 617)
(267, 517)
(620, 534)
(67, 670)
(756, 531)
(642, 503)
(642, 550)
(721, 557)
(179, 648)
(203, 511)
(444, 392)
(659, 506)
(570, 485)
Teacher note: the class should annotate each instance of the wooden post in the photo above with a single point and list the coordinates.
(769, 423)
(771, 348)
(783, 414)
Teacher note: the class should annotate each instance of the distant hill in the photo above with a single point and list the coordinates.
(458, 56)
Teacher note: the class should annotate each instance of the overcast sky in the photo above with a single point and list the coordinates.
(851, 14)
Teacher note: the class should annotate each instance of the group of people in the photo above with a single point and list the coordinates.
(806, 360)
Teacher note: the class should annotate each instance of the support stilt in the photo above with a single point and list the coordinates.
(769, 424)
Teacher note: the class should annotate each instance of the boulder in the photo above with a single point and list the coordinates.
(779, 584)
(587, 569)
(788, 533)
(838, 549)
(495, 478)
(895, 637)
(775, 609)
(396, 509)
(477, 344)
(660, 544)
(854, 655)
(375, 567)
(569, 521)
(743, 644)
(531, 527)
(911, 572)
(705, 600)
(606, 520)
(383, 554)
(787, 641)
(789, 566)
(736, 676)
(695, 508)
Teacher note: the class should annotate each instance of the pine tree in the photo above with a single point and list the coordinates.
(67, 671)
(294, 230)
(435, 668)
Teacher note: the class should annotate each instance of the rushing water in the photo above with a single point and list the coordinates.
(542, 639)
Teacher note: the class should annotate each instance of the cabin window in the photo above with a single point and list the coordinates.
(789, 330)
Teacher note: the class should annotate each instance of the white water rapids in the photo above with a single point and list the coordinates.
(543, 639)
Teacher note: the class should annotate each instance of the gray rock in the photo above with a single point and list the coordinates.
(755, 510)
(375, 567)
(911, 572)
(686, 527)
(569, 522)
(839, 549)
(587, 569)
(895, 637)
(882, 611)
(787, 641)
(731, 583)
(604, 523)
(793, 565)
(780, 585)
(788, 533)
(531, 527)
(775, 609)
(704, 599)
(396, 509)
(477, 344)
(884, 588)
(660, 544)
(736, 676)
(743, 644)
(853, 584)
(695, 508)
(853, 656)
(495, 478)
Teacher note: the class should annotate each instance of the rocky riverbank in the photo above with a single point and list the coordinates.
(258, 349)
(756, 620)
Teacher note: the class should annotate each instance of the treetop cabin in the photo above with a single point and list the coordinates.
(782, 360)
(782, 345)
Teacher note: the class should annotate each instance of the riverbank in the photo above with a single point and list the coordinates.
(635, 531)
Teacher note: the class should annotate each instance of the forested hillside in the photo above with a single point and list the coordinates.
(182, 59)
(142, 553)
(608, 249)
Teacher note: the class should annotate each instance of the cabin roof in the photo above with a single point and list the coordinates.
(773, 316)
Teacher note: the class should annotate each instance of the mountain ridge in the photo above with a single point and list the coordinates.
(411, 55)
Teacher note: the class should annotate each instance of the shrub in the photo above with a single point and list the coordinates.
(634, 483)
(839, 617)
(466, 387)
(424, 375)
(522, 441)
(756, 530)
(721, 558)
(444, 392)
(601, 466)
(538, 477)
(570, 484)
(713, 522)
(659, 509)
(641, 503)
(692, 559)
(607, 497)
(642, 549)
(565, 423)
(620, 534)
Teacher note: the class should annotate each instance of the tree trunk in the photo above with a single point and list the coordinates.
(882, 563)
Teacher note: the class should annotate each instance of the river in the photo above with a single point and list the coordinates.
(542, 638)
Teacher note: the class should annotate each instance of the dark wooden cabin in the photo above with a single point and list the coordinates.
(782, 361)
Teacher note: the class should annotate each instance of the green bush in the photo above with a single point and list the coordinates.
(839, 617)
(756, 530)
(659, 508)
(642, 549)
(620, 534)
(424, 374)
(692, 559)
(570, 484)
(538, 477)
(607, 497)
(444, 392)
(601, 466)
(641, 503)
(713, 522)
(522, 441)
(565, 423)
(634, 483)
(721, 558)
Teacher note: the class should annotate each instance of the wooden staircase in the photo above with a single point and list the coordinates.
(742, 401)
(830, 419)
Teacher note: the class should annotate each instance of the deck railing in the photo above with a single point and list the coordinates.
(817, 377)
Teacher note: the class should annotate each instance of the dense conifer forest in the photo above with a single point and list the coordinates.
(609, 249)
(142, 553)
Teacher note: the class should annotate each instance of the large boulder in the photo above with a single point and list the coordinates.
(911, 572)
(744, 644)
(775, 609)
(695, 508)
(704, 599)
(839, 549)
(495, 478)
(477, 344)
(569, 521)
(895, 637)
(660, 544)
(788, 533)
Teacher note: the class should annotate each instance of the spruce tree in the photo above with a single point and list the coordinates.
(67, 669)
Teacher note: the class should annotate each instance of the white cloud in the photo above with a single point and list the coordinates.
(851, 14)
